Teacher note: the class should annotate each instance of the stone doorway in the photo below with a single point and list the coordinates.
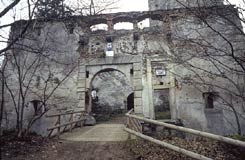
(112, 89)
(130, 102)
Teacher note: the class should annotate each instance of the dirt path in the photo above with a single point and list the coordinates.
(70, 150)
(98, 133)
(105, 141)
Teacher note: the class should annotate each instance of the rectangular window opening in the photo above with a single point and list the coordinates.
(87, 74)
(209, 98)
(71, 30)
(131, 71)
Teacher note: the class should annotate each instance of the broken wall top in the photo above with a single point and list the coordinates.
(133, 17)
(171, 4)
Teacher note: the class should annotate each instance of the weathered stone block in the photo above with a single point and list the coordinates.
(136, 59)
(137, 81)
(138, 87)
(138, 101)
(81, 104)
(138, 109)
(81, 89)
(137, 74)
(81, 83)
(108, 60)
(81, 95)
(82, 69)
(138, 94)
(82, 75)
(137, 66)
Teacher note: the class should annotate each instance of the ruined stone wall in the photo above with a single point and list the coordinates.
(171, 4)
(207, 45)
(46, 54)
(138, 54)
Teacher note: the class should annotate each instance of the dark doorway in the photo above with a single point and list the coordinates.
(112, 88)
(87, 101)
(130, 102)
(161, 104)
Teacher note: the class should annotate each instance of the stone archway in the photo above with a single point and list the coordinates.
(112, 89)
(130, 71)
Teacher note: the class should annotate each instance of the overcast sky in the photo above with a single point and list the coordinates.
(133, 5)
(123, 6)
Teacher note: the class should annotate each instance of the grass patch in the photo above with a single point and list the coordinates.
(163, 115)
(238, 137)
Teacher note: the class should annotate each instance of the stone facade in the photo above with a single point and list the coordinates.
(143, 59)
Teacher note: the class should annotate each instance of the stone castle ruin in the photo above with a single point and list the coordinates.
(150, 70)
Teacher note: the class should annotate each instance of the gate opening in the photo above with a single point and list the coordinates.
(130, 102)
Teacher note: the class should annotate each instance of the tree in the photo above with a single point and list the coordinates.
(52, 9)
(3, 14)
(28, 74)
(24, 63)
(212, 56)
(92, 7)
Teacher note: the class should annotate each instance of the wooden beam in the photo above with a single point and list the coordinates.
(192, 131)
(63, 125)
(169, 146)
(61, 114)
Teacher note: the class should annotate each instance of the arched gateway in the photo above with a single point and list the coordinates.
(109, 90)
(106, 88)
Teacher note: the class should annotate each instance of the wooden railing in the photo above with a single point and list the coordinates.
(71, 122)
(133, 123)
(131, 130)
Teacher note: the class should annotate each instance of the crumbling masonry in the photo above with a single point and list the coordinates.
(117, 63)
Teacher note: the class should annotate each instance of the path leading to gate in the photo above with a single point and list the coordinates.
(111, 131)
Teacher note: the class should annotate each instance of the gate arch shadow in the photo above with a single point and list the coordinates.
(113, 92)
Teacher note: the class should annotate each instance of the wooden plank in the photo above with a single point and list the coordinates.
(192, 131)
(63, 125)
(137, 125)
(61, 114)
(169, 146)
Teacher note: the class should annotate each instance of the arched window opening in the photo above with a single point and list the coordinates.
(99, 27)
(144, 23)
(123, 26)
